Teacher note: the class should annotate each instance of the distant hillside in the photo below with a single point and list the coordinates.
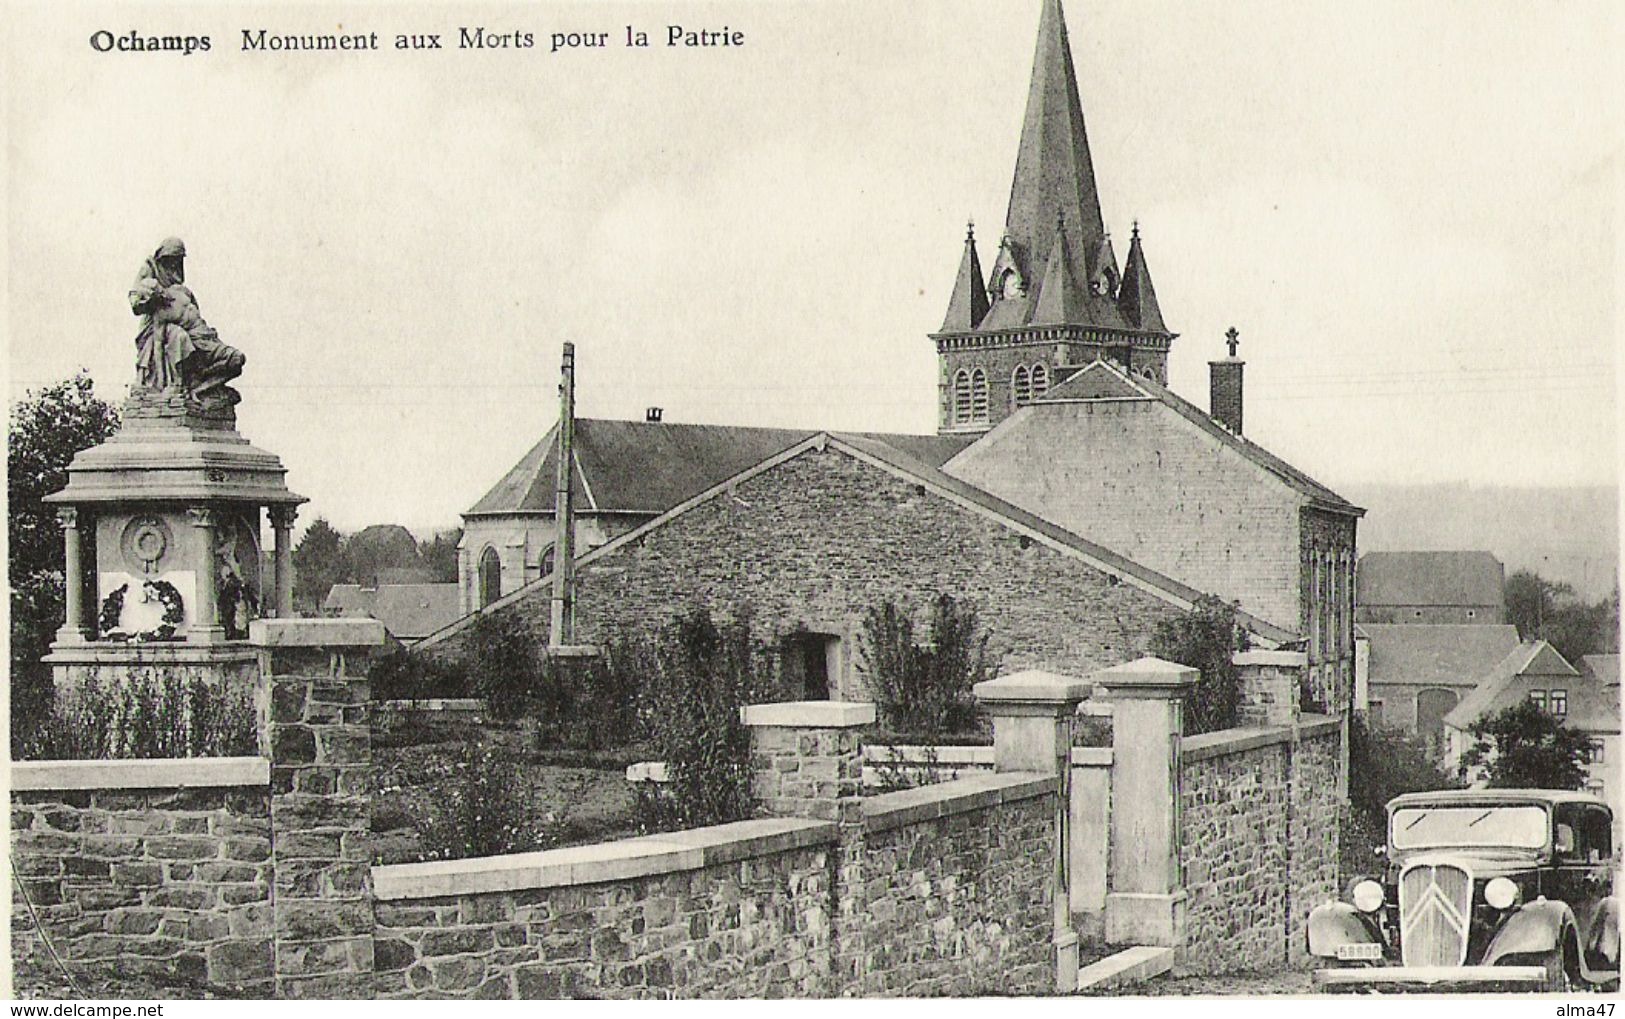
(1567, 534)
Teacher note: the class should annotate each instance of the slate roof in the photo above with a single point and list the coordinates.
(646, 468)
(1604, 668)
(409, 611)
(903, 458)
(1532, 665)
(1430, 578)
(1447, 656)
(1102, 380)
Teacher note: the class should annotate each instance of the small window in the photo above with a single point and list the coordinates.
(1021, 385)
(1559, 703)
(962, 397)
(1539, 697)
(1040, 381)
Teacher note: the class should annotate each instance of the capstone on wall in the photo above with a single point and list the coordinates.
(820, 539)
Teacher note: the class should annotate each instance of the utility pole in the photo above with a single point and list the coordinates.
(562, 633)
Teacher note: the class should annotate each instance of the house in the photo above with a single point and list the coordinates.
(1430, 587)
(1415, 675)
(1586, 700)
(409, 612)
(1057, 431)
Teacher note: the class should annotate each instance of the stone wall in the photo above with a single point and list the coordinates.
(818, 540)
(735, 911)
(1259, 822)
(159, 868)
(958, 898)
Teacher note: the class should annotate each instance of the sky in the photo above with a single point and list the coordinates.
(1407, 209)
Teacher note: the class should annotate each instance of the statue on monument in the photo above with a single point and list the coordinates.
(176, 351)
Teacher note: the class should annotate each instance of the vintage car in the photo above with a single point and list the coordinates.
(1480, 888)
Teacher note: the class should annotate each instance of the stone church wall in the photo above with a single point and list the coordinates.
(818, 540)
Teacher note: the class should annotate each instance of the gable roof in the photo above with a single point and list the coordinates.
(1102, 380)
(1502, 687)
(409, 611)
(647, 468)
(1450, 655)
(1430, 578)
(1603, 668)
(879, 451)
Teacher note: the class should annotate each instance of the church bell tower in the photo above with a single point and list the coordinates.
(1054, 299)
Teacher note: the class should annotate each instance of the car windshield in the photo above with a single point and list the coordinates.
(1515, 827)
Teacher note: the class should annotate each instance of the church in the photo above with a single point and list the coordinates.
(1069, 492)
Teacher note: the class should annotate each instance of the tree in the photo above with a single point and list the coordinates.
(1524, 747)
(48, 427)
(376, 548)
(1206, 638)
(439, 555)
(1553, 612)
(318, 564)
(925, 690)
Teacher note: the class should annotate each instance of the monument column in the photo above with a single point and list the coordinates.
(206, 628)
(282, 518)
(73, 623)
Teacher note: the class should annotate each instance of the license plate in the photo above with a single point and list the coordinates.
(1367, 952)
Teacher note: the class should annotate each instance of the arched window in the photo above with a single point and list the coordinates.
(1021, 385)
(490, 577)
(978, 396)
(962, 397)
(546, 561)
(1040, 381)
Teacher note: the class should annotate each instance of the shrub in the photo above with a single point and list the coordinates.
(593, 701)
(507, 665)
(401, 675)
(1524, 747)
(925, 690)
(1206, 638)
(151, 713)
(701, 674)
(489, 810)
(1383, 764)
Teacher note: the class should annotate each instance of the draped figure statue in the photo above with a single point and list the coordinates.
(176, 349)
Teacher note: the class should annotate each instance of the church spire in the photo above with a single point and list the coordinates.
(1055, 178)
(1137, 299)
(968, 305)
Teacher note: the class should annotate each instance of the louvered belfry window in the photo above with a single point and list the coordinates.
(978, 396)
(1040, 381)
(1021, 385)
(962, 398)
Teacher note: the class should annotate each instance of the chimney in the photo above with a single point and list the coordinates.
(1224, 393)
(652, 415)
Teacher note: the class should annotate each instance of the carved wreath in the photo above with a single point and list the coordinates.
(107, 619)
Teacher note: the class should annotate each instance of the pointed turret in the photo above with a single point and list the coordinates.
(1059, 298)
(1054, 177)
(968, 305)
(1137, 299)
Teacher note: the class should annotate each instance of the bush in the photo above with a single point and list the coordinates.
(593, 701)
(149, 714)
(507, 665)
(700, 675)
(400, 675)
(489, 811)
(1206, 638)
(925, 689)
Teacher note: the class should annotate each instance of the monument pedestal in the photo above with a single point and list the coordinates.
(161, 530)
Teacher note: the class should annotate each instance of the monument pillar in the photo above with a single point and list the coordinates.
(73, 589)
(282, 518)
(206, 628)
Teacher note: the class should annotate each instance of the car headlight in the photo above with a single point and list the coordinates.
(1501, 893)
(1367, 896)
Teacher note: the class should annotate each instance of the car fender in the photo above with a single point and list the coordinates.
(1338, 923)
(1602, 943)
(1535, 927)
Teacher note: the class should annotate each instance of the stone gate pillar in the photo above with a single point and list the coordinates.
(321, 784)
(807, 761)
(1032, 731)
(1145, 903)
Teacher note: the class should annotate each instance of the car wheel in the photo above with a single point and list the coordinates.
(1557, 971)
